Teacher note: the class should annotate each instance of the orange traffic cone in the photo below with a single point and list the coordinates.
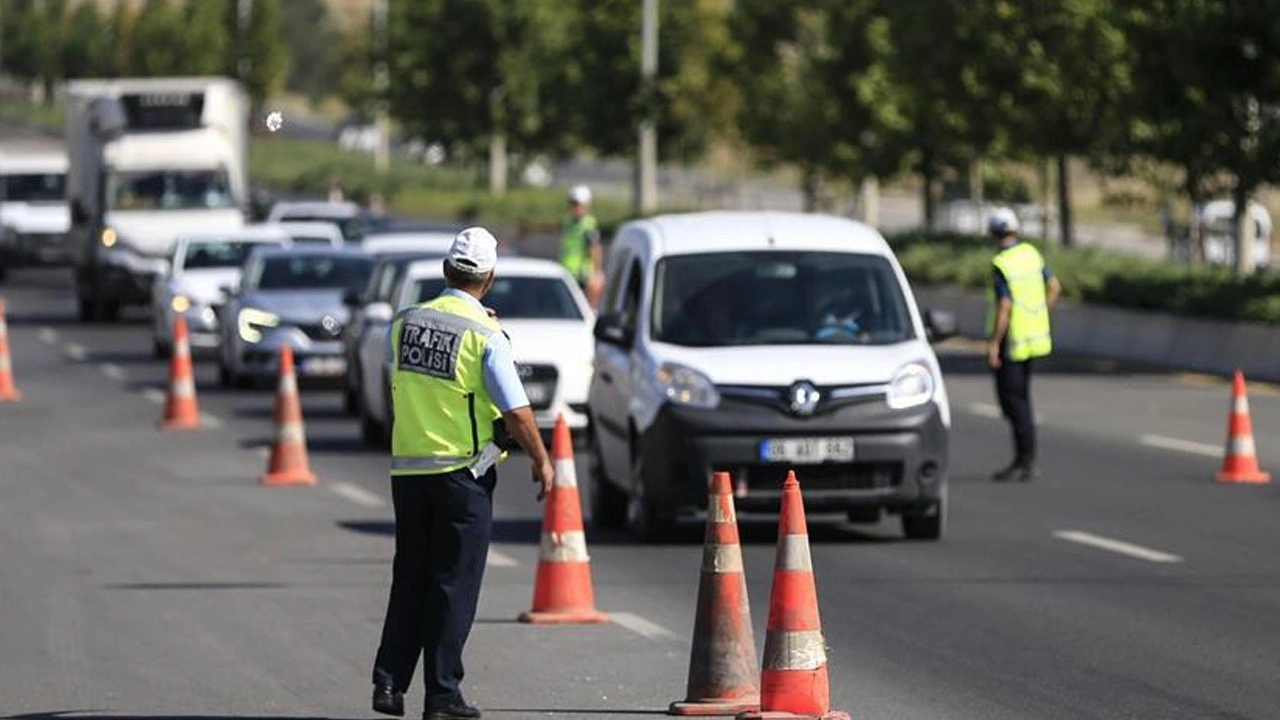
(180, 409)
(1241, 462)
(288, 464)
(8, 391)
(562, 592)
(722, 664)
(794, 683)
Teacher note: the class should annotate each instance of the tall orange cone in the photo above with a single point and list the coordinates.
(1240, 465)
(180, 409)
(562, 592)
(794, 682)
(8, 391)
(722, 663)
(288, 464)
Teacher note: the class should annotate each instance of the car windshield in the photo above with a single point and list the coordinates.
(216, 254)
(517, 298)
(311, 272)
(169, 190)
(312, 240)
(778, 298)
(45, 187)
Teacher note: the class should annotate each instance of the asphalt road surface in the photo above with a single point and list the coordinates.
(147, 574)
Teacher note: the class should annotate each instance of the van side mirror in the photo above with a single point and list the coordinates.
(352, 297)
(379, 313)
(612, 328)
(939, 325)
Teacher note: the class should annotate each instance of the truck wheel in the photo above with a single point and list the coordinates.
(608, 502)
(928, 523)
(108, 311)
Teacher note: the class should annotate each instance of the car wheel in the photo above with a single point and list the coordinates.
(608, 501)
(643, 519)
(928, 523)
(160, 349)
(865, 515)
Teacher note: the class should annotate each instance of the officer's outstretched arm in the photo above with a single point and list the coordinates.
(1054, 291)
(522, 427)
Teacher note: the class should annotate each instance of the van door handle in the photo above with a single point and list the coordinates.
(606, 377)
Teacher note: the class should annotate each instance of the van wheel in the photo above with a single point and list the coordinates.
(159, 349)
(643, 519)
(608, 502)
(865, 515)
(350, 401)
(928, 523)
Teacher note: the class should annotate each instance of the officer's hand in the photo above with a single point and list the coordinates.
(993, 358)
(544, 476)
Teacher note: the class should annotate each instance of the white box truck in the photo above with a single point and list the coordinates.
(33, 207)
(149, 160)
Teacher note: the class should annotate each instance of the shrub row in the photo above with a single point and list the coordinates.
(1100, 277)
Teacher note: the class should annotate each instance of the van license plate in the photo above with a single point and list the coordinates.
(807, 451)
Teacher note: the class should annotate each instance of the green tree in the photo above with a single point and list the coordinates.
(355, 84)
(479, 82)
(85, 49)
(156, 40)
(50, 27)
(20, 43)
(119, 30)
(1207, 76)
(259, 59)
(316, 46)
(206, 42)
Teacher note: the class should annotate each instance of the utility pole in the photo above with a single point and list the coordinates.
(646, 183)
(381, 77)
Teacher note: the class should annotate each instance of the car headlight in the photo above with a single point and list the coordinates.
(911, 385)
(180, 303)
(250, 319)
(109, 237)
(685, 386)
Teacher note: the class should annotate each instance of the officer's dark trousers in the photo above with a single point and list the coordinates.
(443, 524)
(1013, 390)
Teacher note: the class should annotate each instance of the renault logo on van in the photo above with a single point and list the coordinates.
(803, 397)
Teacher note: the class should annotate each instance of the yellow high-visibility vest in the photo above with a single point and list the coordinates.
(1028, 335)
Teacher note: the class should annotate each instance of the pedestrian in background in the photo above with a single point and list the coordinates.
(1022, 291)
(457, 403)
(581, 252)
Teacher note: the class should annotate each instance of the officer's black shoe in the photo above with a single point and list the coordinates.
(453, 710)
(1024, 473)
(387, 701)
(1005, 474)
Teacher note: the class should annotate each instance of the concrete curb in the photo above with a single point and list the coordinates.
(1151, 338)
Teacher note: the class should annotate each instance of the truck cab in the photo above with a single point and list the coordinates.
(150, 160)
(33, 208)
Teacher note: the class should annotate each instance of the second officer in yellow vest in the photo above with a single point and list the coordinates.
(1022, 291)
(457, 402)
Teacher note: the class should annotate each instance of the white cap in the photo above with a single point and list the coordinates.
(580, 194)
(1002, 222)
(474, 250)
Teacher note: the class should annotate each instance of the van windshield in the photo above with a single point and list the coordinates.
(41, 187)
(778, 298)
(169, 190)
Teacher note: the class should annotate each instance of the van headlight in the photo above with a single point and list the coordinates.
(911, 385)
(251, 319)
(180, 303)
(686, 386)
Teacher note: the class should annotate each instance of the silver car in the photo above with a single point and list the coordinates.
(290, 297)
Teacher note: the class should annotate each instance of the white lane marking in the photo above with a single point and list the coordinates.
(1186, 446)
(47, 335)
(212, 422)
(1116, 546)
(993, 411)
(498, 559)
(75, 351)
(356, 494)
(155, 395)
(641, 626)
(115, 372)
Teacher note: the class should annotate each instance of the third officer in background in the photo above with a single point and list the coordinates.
(456, 403)
(581, 252)
(1022, 291)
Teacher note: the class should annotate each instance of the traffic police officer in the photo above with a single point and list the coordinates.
(580, 249)
(1023, 289)
(457, 401)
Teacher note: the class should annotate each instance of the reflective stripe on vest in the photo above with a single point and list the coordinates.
(573, 246)
(1028, 335)
(442, 415)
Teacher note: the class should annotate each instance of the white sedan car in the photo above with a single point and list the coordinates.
(547, 318)
(312, 232)
(200, 267)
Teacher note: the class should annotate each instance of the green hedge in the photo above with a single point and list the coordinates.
(1101, 277)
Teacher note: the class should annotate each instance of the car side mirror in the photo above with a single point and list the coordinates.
(939, 325)
(352, 297)
(380, 313)
(612, 328)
